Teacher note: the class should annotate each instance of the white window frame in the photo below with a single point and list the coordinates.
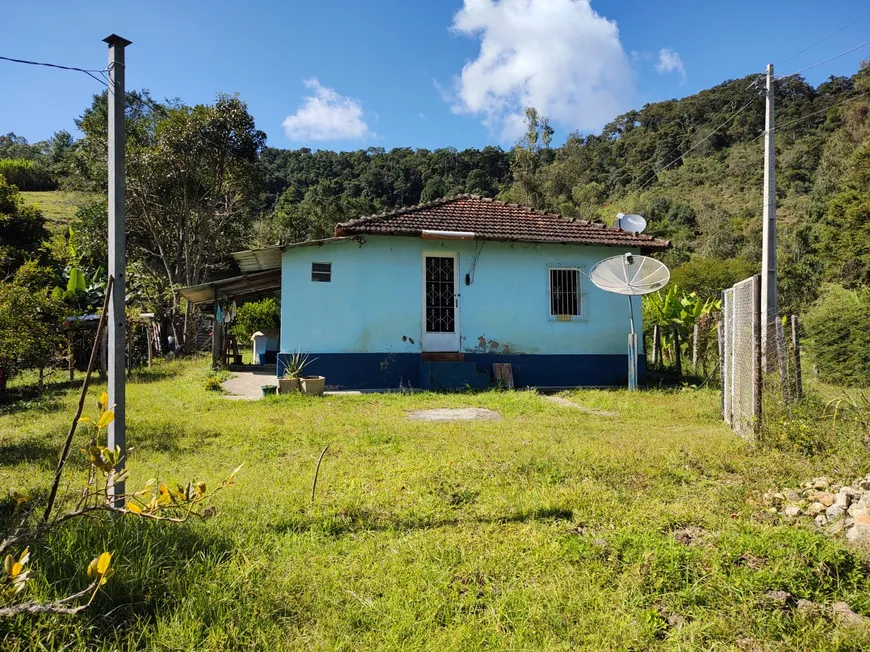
(581, 293)
(321, 262)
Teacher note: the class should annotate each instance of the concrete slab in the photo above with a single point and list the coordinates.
(455, 414)
(246, 384)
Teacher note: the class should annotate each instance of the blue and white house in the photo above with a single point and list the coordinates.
(432, 295)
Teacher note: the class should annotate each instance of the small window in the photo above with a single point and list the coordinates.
(321, 272)
(564, 292)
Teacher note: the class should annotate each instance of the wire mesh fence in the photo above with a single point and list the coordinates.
(741, 366)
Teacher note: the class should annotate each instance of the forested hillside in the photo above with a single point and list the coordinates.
(201, 183)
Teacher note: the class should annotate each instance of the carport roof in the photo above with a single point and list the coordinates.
(232, 288)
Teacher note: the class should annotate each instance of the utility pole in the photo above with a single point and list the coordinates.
(769, 302)
(117, 367)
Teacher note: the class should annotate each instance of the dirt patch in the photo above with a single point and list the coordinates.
(455, 414)
(564, 402)
(690, 535)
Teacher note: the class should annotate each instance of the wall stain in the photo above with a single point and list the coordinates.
(493, 346)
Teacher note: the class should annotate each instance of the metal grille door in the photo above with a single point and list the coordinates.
(440, 294)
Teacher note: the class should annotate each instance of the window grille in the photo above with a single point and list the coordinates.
(321, 272)
(564, 292)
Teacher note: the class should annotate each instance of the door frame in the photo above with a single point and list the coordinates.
(440, 342)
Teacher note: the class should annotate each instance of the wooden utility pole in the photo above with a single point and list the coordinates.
(117, 367)
(769, 302)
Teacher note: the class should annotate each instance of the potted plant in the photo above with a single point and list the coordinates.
(313, 385)
(293, 368)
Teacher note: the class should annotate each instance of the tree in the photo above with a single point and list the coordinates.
(22, 230)
(192, 185)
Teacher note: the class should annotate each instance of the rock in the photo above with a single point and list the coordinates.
(848, 617)
(821, 520)
(792, 496)
(856, 509)
(826, 498)
(864, 484)
(843, 500)
(782, 598)
(821, 483)
(860, 531)
(778, 497)
(845, 490)
(808, 606)
(816, 508)
(834, 512)
(792, 511)
(836, 527)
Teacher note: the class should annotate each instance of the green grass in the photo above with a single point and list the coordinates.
(548, 529)
(58, 206)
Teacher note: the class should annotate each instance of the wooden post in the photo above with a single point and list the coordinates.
(657, 345)
(72, 362)
(148, 336)
(677, 358)
(756, 354)
(796, 352)
(695, 332)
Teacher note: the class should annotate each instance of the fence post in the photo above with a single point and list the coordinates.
(720, 339)
(657, 345)
(677, 361)
(756, 355)
(782, 356)
(796, 351)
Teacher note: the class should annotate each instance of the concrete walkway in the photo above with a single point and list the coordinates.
(245, 385)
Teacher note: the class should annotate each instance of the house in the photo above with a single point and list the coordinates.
(432, 295)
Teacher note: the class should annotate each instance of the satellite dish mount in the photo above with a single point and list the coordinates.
(632, 276)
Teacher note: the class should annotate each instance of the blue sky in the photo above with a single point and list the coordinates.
(348, 74)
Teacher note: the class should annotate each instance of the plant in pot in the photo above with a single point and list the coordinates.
(293, 368)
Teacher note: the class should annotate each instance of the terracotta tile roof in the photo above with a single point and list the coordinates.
(490, 219)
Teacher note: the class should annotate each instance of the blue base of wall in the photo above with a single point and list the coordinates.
(394, 370)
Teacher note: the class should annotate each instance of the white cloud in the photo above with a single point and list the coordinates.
(556, 55)
(670, 61)
(326, 115)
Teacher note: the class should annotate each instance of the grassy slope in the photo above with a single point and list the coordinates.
(549, 529)
(58, 206)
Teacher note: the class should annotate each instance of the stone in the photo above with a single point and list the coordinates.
(779, 597)
(864, 484)
(778, 497)
(808, 606)
(843, 500)
(845, 614)
(816, 508)
(821, 483)
(821, 520)
(836, 527)
(860, 531)
(855, 509)
(826, 498)
(792, 496)
(834, 512)
(792, 511)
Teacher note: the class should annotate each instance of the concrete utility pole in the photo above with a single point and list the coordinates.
(117, 367)
(769, 302)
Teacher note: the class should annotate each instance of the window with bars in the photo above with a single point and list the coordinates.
(321, 272)
(564, 292)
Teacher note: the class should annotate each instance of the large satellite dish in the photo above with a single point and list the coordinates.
(632, 276)
(630, 222)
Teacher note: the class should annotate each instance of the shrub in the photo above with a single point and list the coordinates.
(839, 345)
(26, 174)
(212, 384)
(255, 316)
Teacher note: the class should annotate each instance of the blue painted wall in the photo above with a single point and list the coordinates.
(374, 302)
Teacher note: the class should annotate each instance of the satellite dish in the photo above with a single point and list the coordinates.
(630, 222)
(632, 276)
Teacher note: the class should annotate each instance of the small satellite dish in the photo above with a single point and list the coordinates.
(632, 276)
(630, 222)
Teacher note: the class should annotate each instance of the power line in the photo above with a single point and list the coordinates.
(836, 56)
(696, 145)
(87, 71)
(810, 47)
(810, 115)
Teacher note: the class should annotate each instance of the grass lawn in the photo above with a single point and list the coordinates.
(58, 206)
(551, 528)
